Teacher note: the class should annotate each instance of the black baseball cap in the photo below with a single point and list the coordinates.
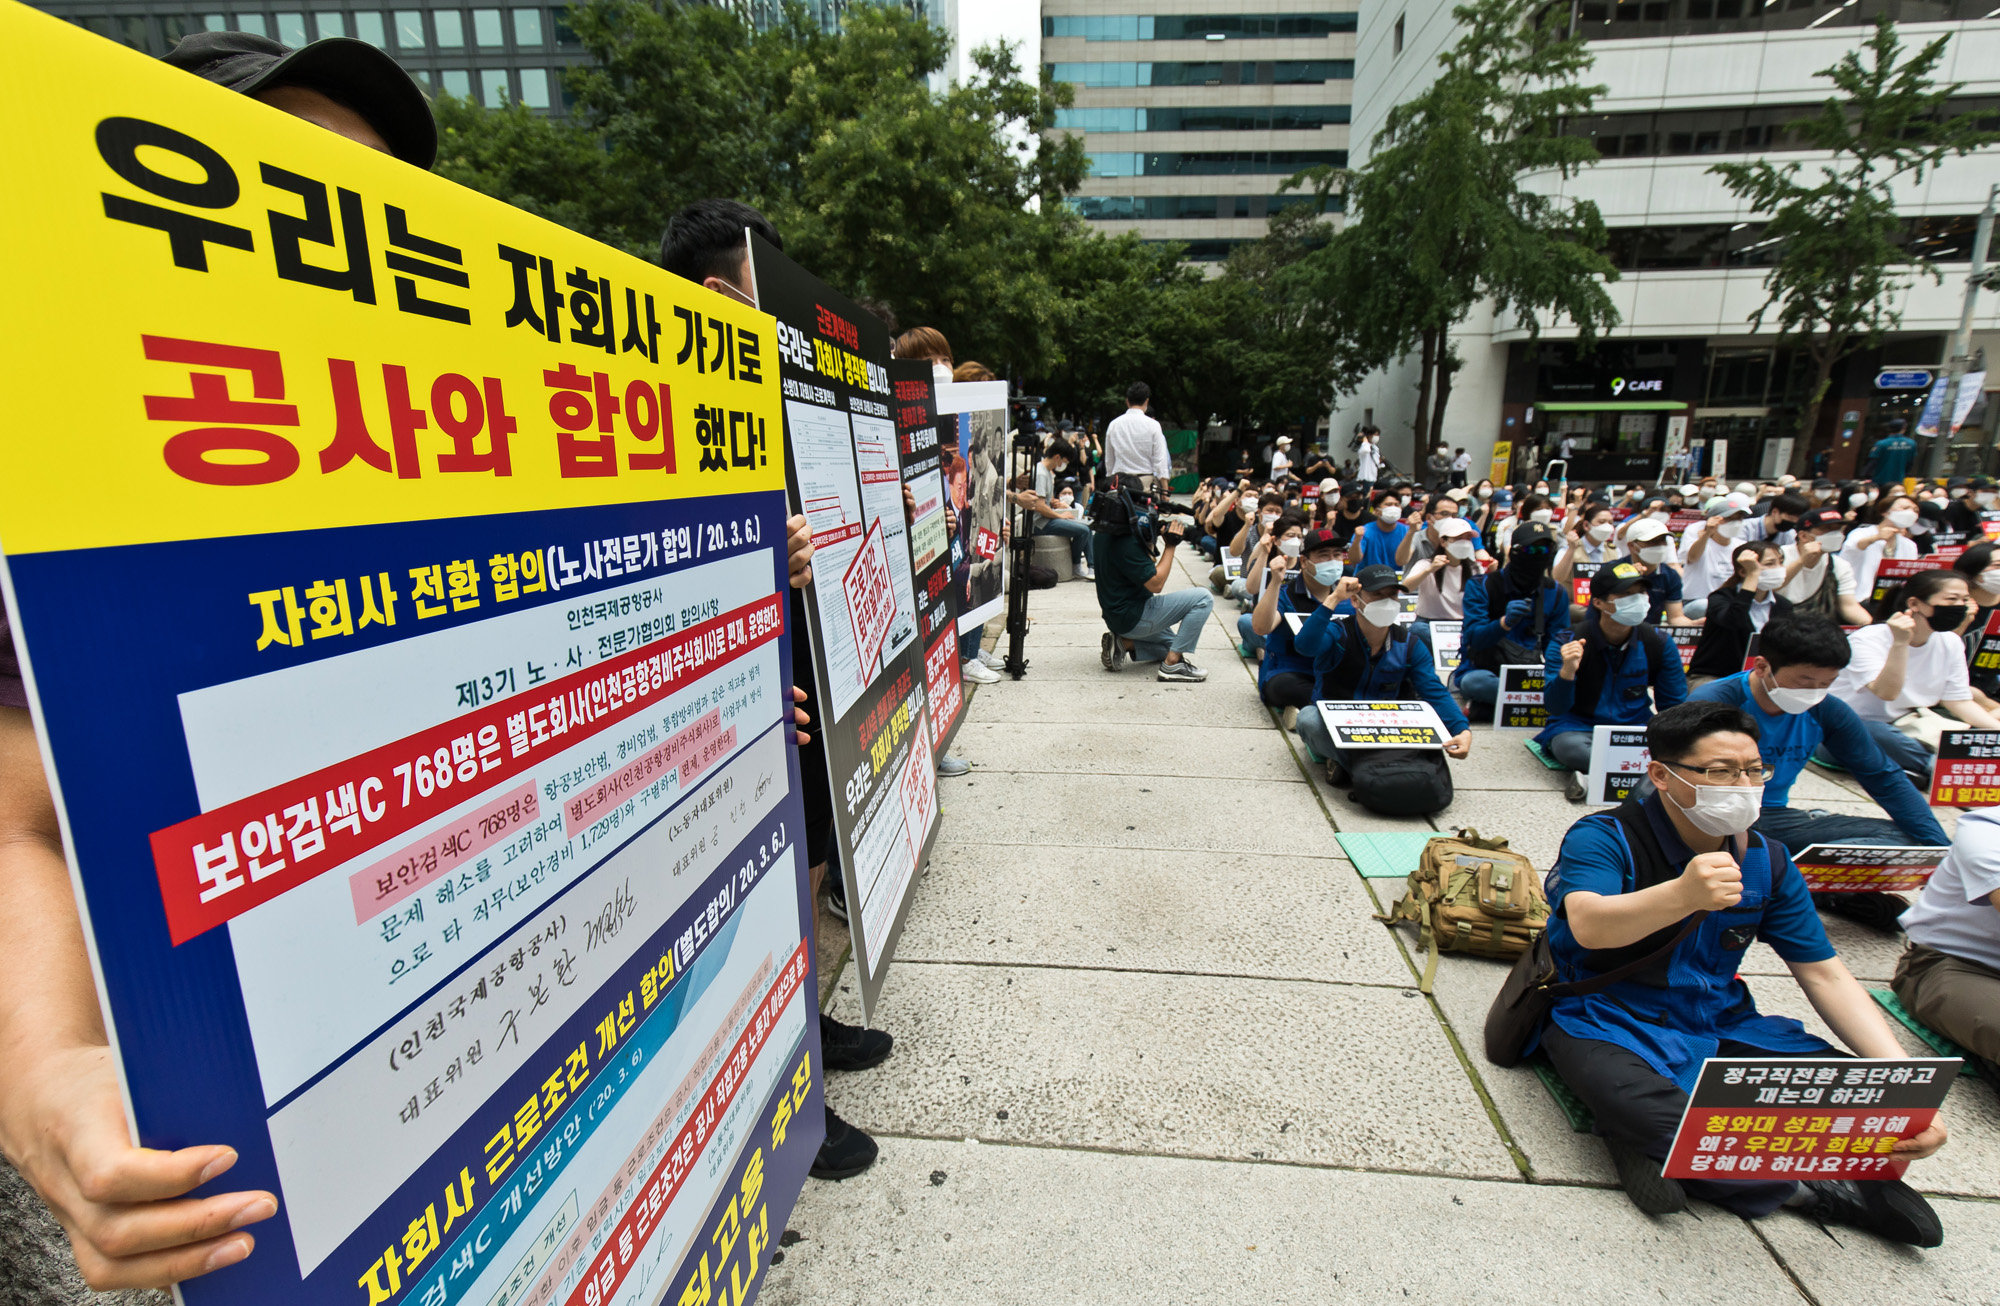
(1532, 532)
(1820, 519)
(1378, 576)
(1620, 578)
(1322, 538)
(352, 72)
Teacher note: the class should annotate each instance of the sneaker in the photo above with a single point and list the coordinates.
(846, 1152)
(1639, 1174)
(850, 1047)
(1218, 581)
(1111, 652)
(991, 661)
(1336, 774)
(1084, 573)
(1886, 1207)
(836, 895)
(1881, 911)
(951, 766)
(1574, 790)
(979, 673)
(1288, 720)
(1181, 670)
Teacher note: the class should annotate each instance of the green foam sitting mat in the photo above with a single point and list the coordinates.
(1580, 1119)
(1542, 755)
(1385, 856)
(1943, 1046)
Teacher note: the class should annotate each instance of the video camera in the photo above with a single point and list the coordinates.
(1123, 506)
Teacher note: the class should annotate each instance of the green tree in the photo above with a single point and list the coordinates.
(1454, 207)
(1842, 262)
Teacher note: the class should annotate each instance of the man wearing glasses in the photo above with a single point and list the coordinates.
(1680, 878)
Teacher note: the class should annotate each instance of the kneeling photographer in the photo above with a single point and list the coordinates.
(1371, 657)
(1147, 624)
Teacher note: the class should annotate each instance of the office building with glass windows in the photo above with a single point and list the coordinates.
(1194, 112)
(1692, 83)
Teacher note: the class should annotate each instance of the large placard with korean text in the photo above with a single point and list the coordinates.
(401, 587)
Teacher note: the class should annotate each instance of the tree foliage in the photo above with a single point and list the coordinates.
(1840, 266)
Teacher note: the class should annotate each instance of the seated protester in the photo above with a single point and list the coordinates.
(1300, 581)
(1652, 546)
(1048, 517)
(1930, 520)
(1283, 541)
(1528, 508)
(1375, 544)
(1705, 548)
(1140, 615)
(1673, 880)
(1780, 518)
(1739, 610)
(1949, 976)
(1817, 578)
(1913, 660)
(1510, 614)
(1883, 530)
(1980, 565)
(1370, 656)
(1610, 672)
(1447, 560)
(1587, 534)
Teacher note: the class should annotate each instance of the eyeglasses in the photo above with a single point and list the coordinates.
(1729, 775)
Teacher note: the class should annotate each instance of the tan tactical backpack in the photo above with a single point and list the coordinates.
(1470, 894)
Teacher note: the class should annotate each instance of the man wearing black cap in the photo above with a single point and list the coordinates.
(1304, 568)
(1615, 671)
(1510, 614)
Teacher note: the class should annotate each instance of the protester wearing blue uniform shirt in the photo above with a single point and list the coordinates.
(1285, 678)
(1678, 884)
(1613, 672)
(1376, 543)
(1510, 615)
(1367, 657)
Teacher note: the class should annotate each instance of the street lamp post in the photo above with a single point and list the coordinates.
(1959, 363)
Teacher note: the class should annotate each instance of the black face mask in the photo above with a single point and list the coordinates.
(1947, 617)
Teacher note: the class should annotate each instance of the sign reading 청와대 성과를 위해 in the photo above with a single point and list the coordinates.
(400, 581)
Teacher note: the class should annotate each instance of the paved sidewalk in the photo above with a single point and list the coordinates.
(1151, 1048)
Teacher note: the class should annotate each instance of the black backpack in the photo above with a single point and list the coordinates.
(1391, 781)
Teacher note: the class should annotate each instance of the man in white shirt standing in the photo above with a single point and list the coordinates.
(1368, 468)
(1134, 444)
(1281, 460)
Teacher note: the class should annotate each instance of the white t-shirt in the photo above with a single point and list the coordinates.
(1441, 591)
(1370, 462)
(1808, 580)
(1954, 913)
(1935, 674)
(1701, 576)
(1280, 464)
(1864, 562)
(1461, 462)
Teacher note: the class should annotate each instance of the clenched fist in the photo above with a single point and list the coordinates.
(1711, 882)
(1572, 654)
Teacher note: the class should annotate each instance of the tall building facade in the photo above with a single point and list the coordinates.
(1693, 83)
(1194, 111)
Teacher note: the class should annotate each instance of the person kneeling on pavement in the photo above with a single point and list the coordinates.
(1311, 560)
(1130, 593)
(1798, 660)
(1678, 880)
(1371, 657)
(1612, 672)
(1949, 976)
(1509, 617)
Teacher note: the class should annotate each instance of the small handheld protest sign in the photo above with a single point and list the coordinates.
(1968, 769)
(1806, 1117)
(1986, 653)
(1618, 760)
(1232, 566)
(1989, 523)
(1750, 651)
(1686, 640)
(1683, 519)
(1296, 621)
(1580, 577)
(1894, 571)
(1408, 598)
(1859, 868)
(1520, 706)
(1445, 646)
(1405, 724)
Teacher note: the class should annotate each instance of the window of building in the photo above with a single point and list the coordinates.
(368, 27)
(1396, 38)
(409, 29)
(175, 26)
(215, 22)
(535, 87)
(449, 24)
(487, 28)
(326, 25)
(493, 87)
(528, 28)
(1134, 208)
(456, 81)
(566, 37)
(1762, 130)
(1196, 27)
(252, 23)
(291, 29)
(1599, 20)
(1292, 72)
(1293, 117)
(1221, 163)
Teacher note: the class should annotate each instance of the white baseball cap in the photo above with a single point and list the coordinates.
(1453, 526)
(1329, 486)
(1646, 529)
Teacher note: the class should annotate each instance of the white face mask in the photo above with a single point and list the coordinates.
(1543, 515)
(1856, 499)
(1723, 810)
(1290, 548)
(1631, 609)
(1769, 578)
(1832, 541)
(1382, 612)
(1730, 530)
(1986, 498)
(1903, 517)
(1794, 701)
(1989, 580)
(1654, 556)
(1327, 573)
(1066, 499)
(1600, 532)
(1661, 517)
(1486, 492)
(1390, 512)
(1873, 495)
(1269, 517)
(1460, 549)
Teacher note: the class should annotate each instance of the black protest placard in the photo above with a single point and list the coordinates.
(1520, 706)
(1867, 868)
(1968, 769)
(1686, 640)
(844, 473)
(1806, 1118)
(921, 450)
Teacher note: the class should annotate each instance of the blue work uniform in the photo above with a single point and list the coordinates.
(1405, 668)
(1678, 1014)
(1787, 739)
(1611, 684)
(1483, 615)
(1281, 653)
(1663, 586)
(1378, 545)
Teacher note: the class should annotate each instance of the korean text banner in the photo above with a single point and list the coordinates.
(867, 645)
(926, 459)
(401, 587)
